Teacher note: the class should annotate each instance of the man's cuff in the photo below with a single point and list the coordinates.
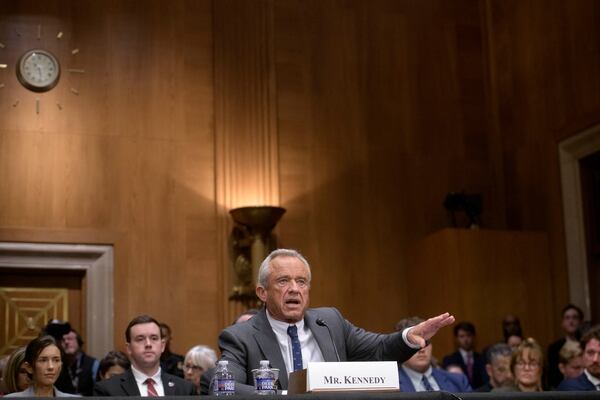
(405, 338)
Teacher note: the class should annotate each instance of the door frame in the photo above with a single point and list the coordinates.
(96, 261)
(570, 152)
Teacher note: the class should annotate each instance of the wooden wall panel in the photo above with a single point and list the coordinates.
(357, 116)
(133, 153)
(380, 115)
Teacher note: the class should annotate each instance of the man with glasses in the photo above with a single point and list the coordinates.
(289, 334)
(590, 378)
(145, 344)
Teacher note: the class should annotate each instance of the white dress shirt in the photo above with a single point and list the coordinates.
(310, 348)
(140, 379)
(592, 379)
(416, 377)
(308, 343)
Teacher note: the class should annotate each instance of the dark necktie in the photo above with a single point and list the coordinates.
(292, 331)
(470, 367)
(426, 384)
(151, 389)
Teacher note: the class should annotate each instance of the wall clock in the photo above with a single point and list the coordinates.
(37, 67)
(38, 70)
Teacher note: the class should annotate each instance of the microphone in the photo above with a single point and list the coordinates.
(320, 322)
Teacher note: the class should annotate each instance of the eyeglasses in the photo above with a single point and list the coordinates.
(530, 364)
(194, 368)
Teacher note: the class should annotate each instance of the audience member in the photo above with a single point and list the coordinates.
(3, 362)
(171, 362)
(497, 367)
(526, 365)
(145, 378)
(471, 362)
(197, 361)
(246, 315)
(511, 326)
(570, 359)
(14, 375)
(418, 375)
(206, 378)
(514, 341)
(590, 379)
(287, 323)
(114, 363)
(78, 373)
(43, 362)
(572, 318)
(452, 368)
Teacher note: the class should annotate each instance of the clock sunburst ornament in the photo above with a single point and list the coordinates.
(37, 69)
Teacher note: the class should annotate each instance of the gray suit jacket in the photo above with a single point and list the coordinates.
(29, 393)
(245, 344)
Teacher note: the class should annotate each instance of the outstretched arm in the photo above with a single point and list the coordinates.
(421, 333)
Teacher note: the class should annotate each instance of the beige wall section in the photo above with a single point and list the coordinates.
(133, 153)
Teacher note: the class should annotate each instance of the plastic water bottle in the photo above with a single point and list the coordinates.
(265, 379)
(224, 384)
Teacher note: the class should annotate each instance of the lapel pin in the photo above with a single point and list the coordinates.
(171, 384)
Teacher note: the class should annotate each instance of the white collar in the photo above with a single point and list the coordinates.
(281, 327)
(416, 376)
(141, 377)
(595, 381)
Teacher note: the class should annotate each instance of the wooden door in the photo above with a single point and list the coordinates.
(29, 298)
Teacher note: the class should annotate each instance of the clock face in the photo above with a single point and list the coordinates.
(38, 70)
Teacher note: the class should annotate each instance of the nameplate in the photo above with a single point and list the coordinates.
(349, 376)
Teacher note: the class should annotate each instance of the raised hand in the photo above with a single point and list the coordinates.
(421, 333)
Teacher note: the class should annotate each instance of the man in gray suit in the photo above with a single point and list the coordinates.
(289, 334)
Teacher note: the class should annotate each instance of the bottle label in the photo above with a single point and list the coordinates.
(225, 386)
(265, 384)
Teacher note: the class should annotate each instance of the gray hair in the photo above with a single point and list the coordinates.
(263, 272)
(498, 350)
(202, 356)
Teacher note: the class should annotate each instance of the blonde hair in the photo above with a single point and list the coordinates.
(569, 351)
(16, 359)
(535, 352)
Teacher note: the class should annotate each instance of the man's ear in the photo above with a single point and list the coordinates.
(261, 292)
(128, 348)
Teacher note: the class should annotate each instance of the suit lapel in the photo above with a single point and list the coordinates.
(168, 385)
(129, 385)
(267, 341)
(441, 379)
(321, 335)
(405, 382)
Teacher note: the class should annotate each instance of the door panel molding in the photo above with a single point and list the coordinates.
(95, 261)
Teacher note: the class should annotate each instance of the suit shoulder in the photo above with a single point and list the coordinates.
(451, 359)
(178, 382)
(579, 383)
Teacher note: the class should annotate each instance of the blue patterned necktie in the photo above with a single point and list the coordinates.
(426, 384)
(292, 331)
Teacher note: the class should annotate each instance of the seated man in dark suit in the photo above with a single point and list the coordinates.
(471, 362)
(289, 334)
(145, 378)
(572, 319)
(498, 368)
(590, 378)
(417, 374)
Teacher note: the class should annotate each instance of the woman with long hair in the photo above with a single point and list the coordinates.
(43, 362)
(15, 375)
